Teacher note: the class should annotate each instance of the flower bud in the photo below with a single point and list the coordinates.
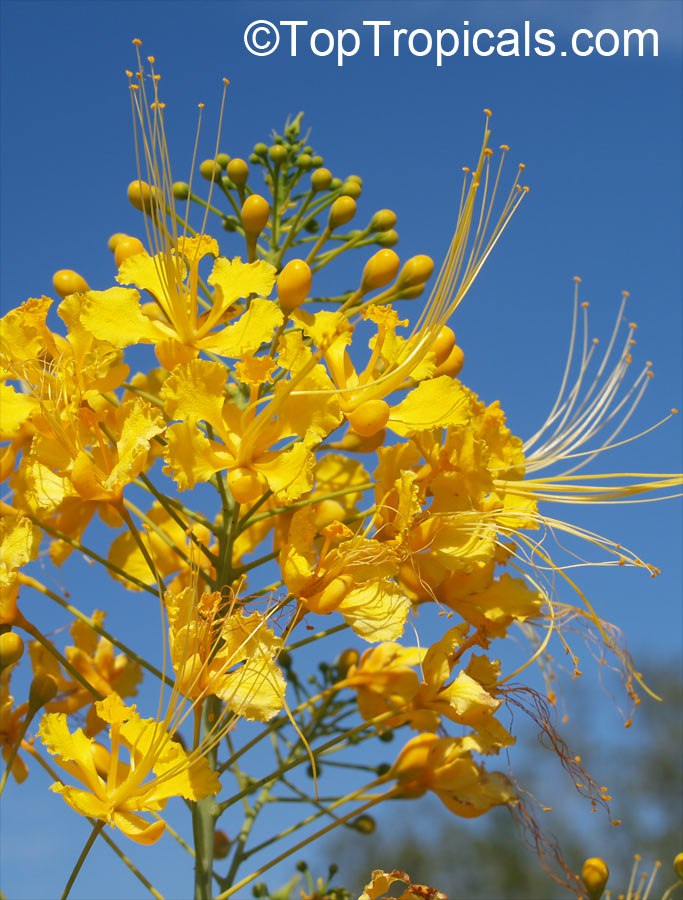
(317, 161)
(321, 180)
(129, 246)
(678, 865)
(238, 172)
(278, 154)
(387, 238)
(328, 511)
(260, 149)
(115, 238)
(181, 190)
(369, 418)
(594, 875)
(336, 184)
(327, 600)
(416, 270)
(365, 824)
(223, 159)
(355, 178)
(143, 196)
(43, 689)
(255, 212)
(66, 282)
(346, 659)
(342, 211)
(452, 365)
(379, 270)
(444, 343)
(294, 283)
(101, 758)
(221, 844)
(383, 220)
(351, 189)
(411, 293)
(304, 161)
(246, 485)
(11, 649)
(210, 170)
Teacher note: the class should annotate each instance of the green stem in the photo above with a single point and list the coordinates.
(81, 859)
(204, 815)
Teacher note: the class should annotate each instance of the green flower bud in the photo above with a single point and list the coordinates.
(351, 189)
(210, 170)
(346, 659)
(304, 161)
(387, 238)
(317, 161)
(181, 190)
(238, 172)
(365, 824)
(223, 159)
(355, 178)
(221, 844)
(43, 689)
(278, 154)
(253, 158)
(383, 220)
(260, 149)
(594, 875)
(386, 736)
(321, 180)
(336, 184)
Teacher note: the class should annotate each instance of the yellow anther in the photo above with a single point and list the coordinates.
(487, 112)
(137, 42)
(151, 59)
(577, 279)
(505, 147)
(226, 81)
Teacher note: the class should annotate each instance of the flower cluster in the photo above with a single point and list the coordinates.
(356, 482)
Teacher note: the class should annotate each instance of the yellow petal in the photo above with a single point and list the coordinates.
(376, 611)
(191, 457)
(15, 409)
(255, 691)
(437, 403)
(195, 392)
(254, 327)
(289, 473)
(138, 829)
(114, 315)
(235, 280)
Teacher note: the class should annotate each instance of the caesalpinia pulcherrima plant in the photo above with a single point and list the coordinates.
(357, 484)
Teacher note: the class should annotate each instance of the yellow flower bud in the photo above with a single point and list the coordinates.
(115, 239)
(181, 190)
(43, 689)
(101, 757)
(294, 283)
(221, 844)
(342, 211)
(321, 180)
(304, 161)
(678, 865)
(255, 212)
(453, 363)
(142, 196)
(379, 270)
(416, 270)
(331, 596)
(223, 159)
(246, 485)
(594, 875)
(11, 649)
(129, 246)
(210, 170)
(238, 172)
(383, 220)
(355, 178)
(66, 282)
(328, 511)
(387, 238)
(369, 418)
(444, 343)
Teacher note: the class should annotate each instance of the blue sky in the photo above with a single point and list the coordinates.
(601, 139)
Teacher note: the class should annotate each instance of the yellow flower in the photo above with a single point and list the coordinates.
(19, 542)
(93, 657)
(225, 653)
(445, 766)
(349, 574)
(158, 768)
